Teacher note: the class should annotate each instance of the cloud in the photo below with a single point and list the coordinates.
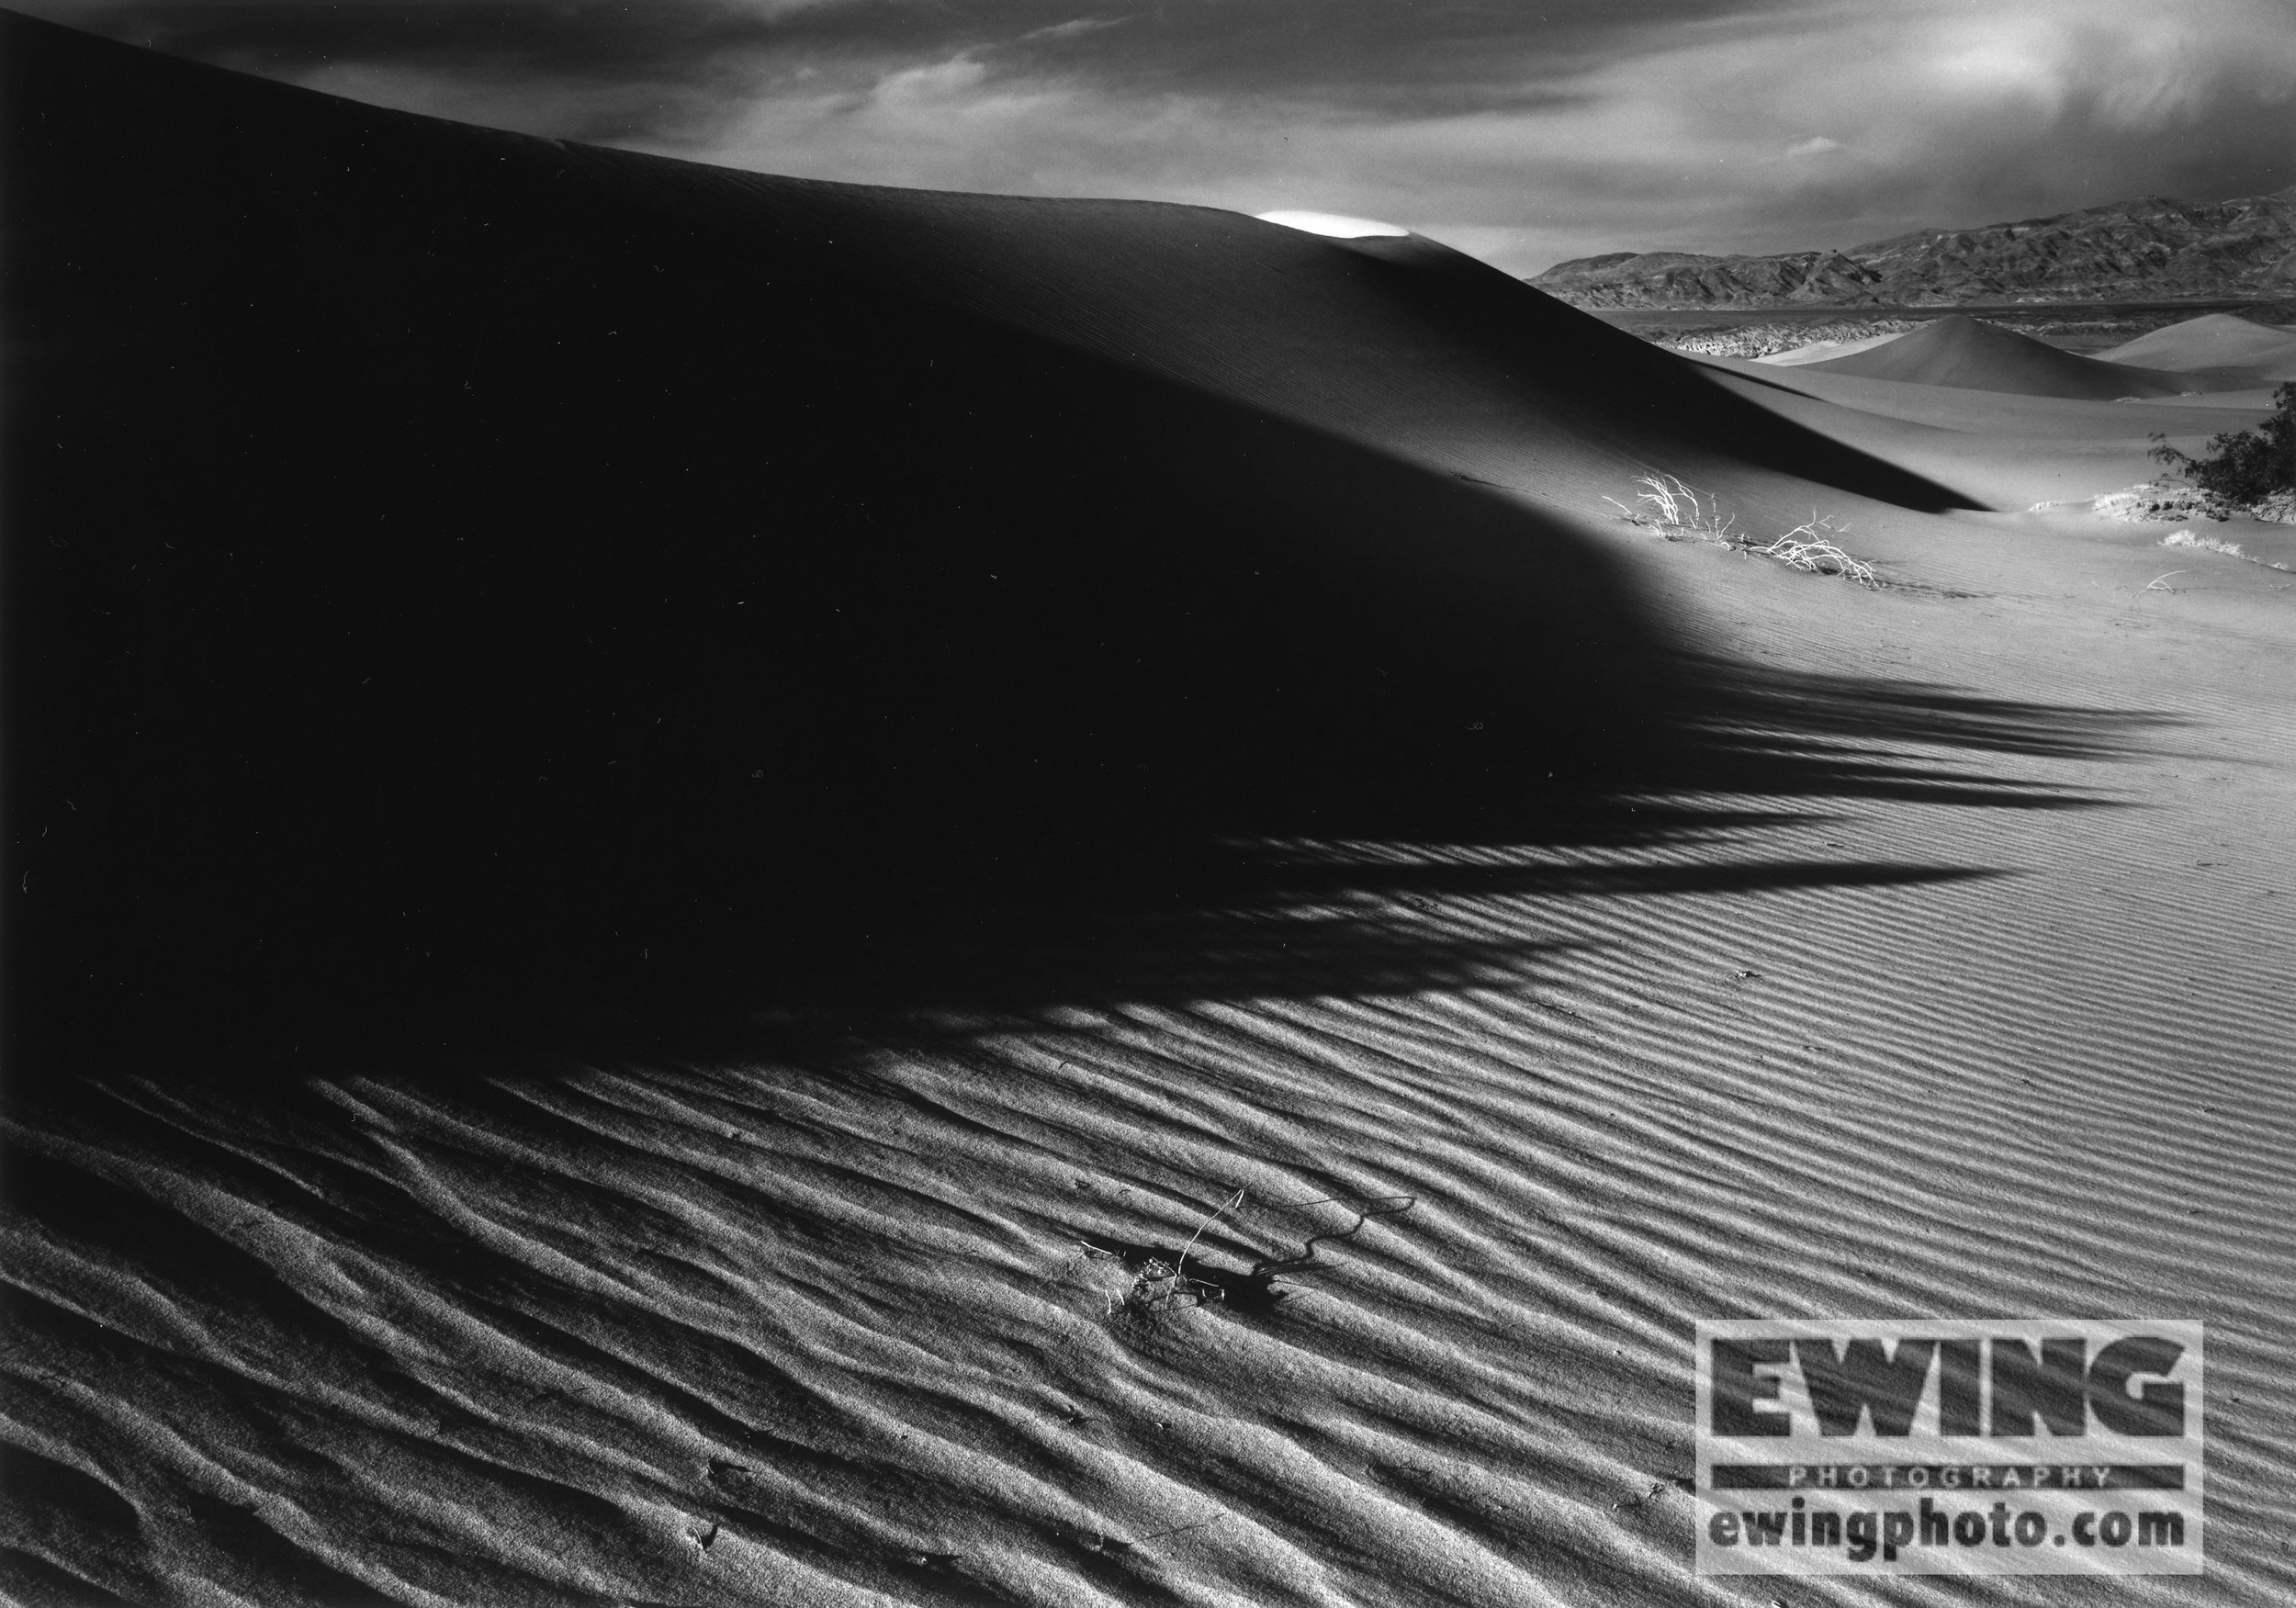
(1691, 136)
(510, 41)
(1074, 27)
(1523, 134)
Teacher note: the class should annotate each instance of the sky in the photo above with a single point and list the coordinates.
(1522, 132)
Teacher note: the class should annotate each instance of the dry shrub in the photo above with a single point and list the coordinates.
(1680, 512)
(2206, 544)
(1810, 546)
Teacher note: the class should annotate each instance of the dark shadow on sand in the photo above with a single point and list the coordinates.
(449, 603)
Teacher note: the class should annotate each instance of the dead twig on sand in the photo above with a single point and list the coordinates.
(1097, 1543)
(1159, 1282)
(1365, 1207)
(1810, 546)
(1163, 1279)
(1233, 1201)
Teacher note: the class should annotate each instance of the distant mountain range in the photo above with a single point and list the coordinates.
(2152, 249)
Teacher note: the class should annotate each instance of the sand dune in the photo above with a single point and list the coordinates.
(2002, 450)
(698, 816)
(946, 381)
(1993, 413)
(1970, 354)
(2257, 399)
(1336, 225)
(1443, 363)
(1822, 350)
(2234, 352)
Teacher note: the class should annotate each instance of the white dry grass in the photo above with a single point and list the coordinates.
(2216, 545)
(1675, 511)
(1810, 546)
(2206, 544)
(1680, 512)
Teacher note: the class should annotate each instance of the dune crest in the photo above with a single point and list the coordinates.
(1336, 225)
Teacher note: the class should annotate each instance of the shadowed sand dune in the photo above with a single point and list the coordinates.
(497, 567)
(665, 825)
(1970, 354)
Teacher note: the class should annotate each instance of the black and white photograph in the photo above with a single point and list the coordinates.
(1232, 803)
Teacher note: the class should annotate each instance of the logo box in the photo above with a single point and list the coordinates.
(1928, 1447)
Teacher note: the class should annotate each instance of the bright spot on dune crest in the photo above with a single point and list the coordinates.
(1331, 223)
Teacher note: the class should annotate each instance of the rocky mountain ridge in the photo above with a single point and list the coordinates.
(2151, 249)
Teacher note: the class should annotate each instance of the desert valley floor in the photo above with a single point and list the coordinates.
(1474, 934)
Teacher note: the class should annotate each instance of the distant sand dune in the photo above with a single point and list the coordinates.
(2005, 450)
(1969, 355)
(2234, 352)
(1825, 350)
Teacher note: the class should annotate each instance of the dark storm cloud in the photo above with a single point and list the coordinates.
(597, 39)
(1521, 131)
(672, 72)
(1346, 49)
